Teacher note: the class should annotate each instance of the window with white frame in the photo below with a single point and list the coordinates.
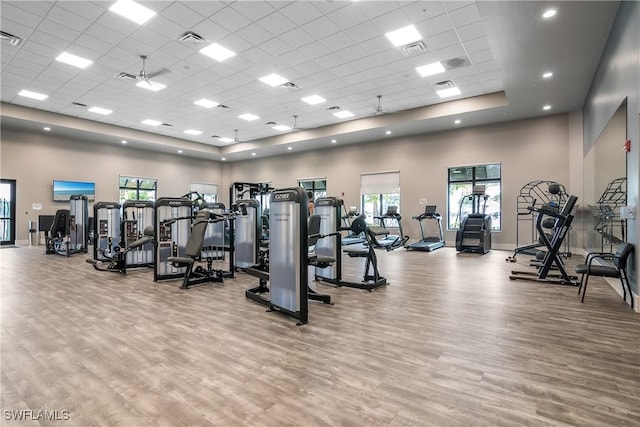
(133, 188)
(209, 192)
(318, 186)
(378, 192)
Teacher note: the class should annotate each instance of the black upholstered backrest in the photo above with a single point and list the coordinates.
(196, 238)
(622, 255)
(313, 229)
(61, 223)
(359, 225)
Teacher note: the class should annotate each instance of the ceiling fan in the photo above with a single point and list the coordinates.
(296, 128)
(145, 77)
(379, 110)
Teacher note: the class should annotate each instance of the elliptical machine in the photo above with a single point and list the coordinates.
(474, 234)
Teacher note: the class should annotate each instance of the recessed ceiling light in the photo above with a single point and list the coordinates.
(430, 69)
(253, 154)
(388, 132)
(223, 159)
(47, 129)
(343, 114)
(281, 128)
(217, 52)
(273, 80)
(248, 117)
(179, 151)
(404, 36)
(445, 93)
(124, 141)
(546, 107)
(98, 110)
(193, 132)
(206, 103)
(151, 122)
(225, 140)
(34, 95)
(289, 148)
(549, 13)
(132, 11)
(314, 99)
(458, 121)
(148, 84)
(74, 60)
(333, 141)
(547, 75)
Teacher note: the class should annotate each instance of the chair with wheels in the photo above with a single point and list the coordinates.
(617, 270)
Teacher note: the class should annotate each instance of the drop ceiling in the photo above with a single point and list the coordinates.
(334, 49)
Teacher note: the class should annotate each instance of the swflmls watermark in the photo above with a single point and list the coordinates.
(36, 415)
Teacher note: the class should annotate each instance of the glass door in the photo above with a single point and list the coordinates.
(7, 212)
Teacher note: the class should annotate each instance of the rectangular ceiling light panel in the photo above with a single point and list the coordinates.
(34, 95)
(217, 52)
(74, 60)
(132, 11)
(404, 36)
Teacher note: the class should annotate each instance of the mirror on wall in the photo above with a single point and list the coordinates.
(605, 186)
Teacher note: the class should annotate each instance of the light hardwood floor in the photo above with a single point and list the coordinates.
(451, 341)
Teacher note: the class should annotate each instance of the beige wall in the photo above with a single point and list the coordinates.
(528, 150)
(35, 160)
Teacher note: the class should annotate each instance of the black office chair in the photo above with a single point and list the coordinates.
(618, 270)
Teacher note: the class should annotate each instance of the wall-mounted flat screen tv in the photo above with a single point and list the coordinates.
(62, 190)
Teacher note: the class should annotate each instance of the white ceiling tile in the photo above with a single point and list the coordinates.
(230, 19)
(39, 8)
(105, 34)
(275, 47)
(254, 34)
(21, 16)
(343, 70)
(454, 5)
(472, 31)
(347, 16)
(477, 45)
(320, 28)
(392, 20)
(337, 41)
(277, 23)
(68, 19)
(88, 42)
(169, 28)
(253, 10)
(296, 38)
(85, 9)
(113, 22)
(315, 50)
(482, 56)
(465, 15)
(419, 11)
(56, 44)
(365, 31)
(293, 58)
(486, 67)
(442, 40)
(301, 12)
(351, 53)
(376, 8)
(363, 64)
(437, 25)
(182, 15)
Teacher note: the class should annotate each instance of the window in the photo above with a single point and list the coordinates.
(318, 186)
(462, 179)
(209, 192)
(132, 188)
(379, 191)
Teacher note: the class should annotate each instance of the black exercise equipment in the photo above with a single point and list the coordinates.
(350, 215)
(618, 270)
(380, 235)
(371, 278)
(171, 236)
(474, 234)
(106, 230)
(552, 258)
(116, 260)
(428, 243)
(69, 233)
(193, 253)
(138, 218)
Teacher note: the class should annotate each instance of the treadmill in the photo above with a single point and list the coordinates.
(428, 243)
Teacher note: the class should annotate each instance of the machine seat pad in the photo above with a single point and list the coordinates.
(378, 231)
(598, 270)
(180, 260)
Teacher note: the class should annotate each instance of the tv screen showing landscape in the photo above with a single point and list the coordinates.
(63, 190)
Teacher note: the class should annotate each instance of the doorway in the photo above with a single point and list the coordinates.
(7, 212)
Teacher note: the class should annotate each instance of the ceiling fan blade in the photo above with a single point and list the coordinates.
(158, 73)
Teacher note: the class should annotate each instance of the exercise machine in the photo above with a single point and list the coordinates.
(428, 243)
(171, 236)
(549, 193)
(248, 233)
(350, 215)
(328, 209)
(106, 230)
(116, 260)
(287, 291)
(474, 234)
(195, 251)
(552, 259)
(69, 233)
(380, 235)
(137, 222)
(371, 278)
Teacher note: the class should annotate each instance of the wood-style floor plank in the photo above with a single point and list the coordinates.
(450, 341)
